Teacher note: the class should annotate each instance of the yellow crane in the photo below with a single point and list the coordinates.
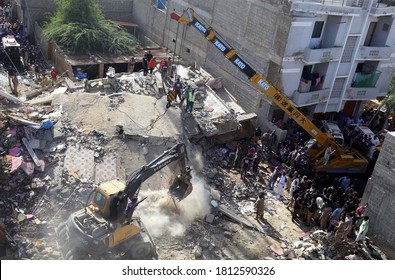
(344, 160)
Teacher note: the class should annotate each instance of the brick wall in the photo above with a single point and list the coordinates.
(257, 29)
(380, 194)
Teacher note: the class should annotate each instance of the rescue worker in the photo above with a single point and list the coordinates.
(44, 81)
(177, 87)
(152, 65)
(190, 101)
(164, 64)
(145, 65)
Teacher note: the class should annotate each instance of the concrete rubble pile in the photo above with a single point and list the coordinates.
(213, 115)
(320, 245)
(36, 187)
(239, 201)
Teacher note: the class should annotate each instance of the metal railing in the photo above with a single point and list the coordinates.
(365, 79)
(349, 3)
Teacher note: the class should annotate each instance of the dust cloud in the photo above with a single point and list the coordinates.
(164, 216)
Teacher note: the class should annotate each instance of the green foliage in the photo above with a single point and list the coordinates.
(391, 92)
(80, 27)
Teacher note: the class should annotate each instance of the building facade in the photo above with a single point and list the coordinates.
(380, 194)
(339, 54)
(324, 55)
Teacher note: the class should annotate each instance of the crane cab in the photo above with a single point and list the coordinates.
(333, 129)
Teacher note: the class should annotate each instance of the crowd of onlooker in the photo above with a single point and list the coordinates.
(329, 202)
(10, 25)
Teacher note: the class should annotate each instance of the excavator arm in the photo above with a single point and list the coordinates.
(179, 189)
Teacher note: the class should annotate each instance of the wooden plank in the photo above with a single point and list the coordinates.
(41, 100)
(25, 122)
(31, 152)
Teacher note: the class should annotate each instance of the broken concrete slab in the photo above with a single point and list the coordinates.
(210, 218)
(232, 215)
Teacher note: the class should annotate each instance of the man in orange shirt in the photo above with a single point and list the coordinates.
(152, 64)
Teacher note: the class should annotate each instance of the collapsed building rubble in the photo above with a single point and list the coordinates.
(52, 158)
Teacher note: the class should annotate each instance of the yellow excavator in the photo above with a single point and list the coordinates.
(343, 159)
(94, 232)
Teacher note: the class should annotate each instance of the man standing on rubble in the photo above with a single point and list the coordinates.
(164, 64)
(190, 100)
(259, 206)
(245, 166)
(177, 87)
(54, 76)
(13, 81)
(145, 65)
(152, 65)
(131, 64)
(363, 229)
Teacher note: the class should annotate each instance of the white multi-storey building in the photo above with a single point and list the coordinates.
(339, 53)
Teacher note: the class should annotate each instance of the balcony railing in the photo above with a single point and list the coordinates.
(361, 93)
(349, 3)
(376, 53)
(321, 55)
(383, 8)
(339, 7)
(366, 80)
(311, 97)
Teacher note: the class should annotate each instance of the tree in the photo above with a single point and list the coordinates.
(80, 27)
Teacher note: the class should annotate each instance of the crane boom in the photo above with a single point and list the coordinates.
(258, 80)
(345, 159)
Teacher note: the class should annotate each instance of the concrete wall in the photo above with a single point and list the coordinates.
(257, 29)
(41, 10)
(380, 194)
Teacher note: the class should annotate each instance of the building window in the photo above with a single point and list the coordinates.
(386, 27)
(317, 29)
(161, 4)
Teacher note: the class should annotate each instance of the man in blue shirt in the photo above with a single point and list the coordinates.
(335, 217)
(344, 183)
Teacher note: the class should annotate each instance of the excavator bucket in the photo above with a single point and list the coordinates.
(180, 188)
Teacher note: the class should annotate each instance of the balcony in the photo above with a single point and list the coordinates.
(365, 80)
(310, 98)
(361, 93)
(383, 8)
(333, 7)
(374, 53)
(321, 55)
